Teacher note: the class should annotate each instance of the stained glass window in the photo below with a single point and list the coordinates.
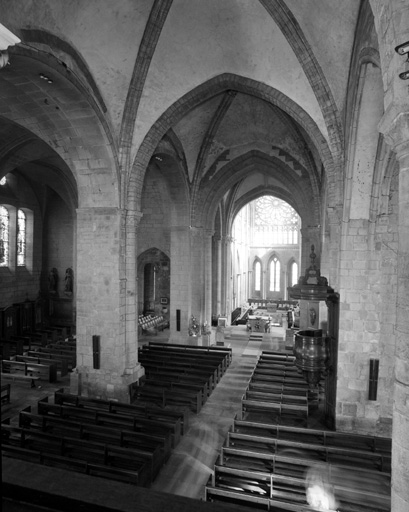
(4, 236)
(21, 238)
(275, 222)
(275, 275)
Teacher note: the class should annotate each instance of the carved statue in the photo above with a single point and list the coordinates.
(313, 316)
(69, 280)
(194, 327)
(53, 280)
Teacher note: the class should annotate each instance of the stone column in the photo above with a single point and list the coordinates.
(207, 256)
(100, 308)
(197, 273)
(227, 278)
(129, 291)
(217, 274)
(180, 283)
(396, 131)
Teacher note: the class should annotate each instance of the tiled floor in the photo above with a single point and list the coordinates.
(191, 463)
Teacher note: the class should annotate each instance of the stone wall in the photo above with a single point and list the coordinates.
(21, 282)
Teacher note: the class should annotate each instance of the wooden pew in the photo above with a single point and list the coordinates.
(5, 393)
(196, 386)
(282, 398)
(113, 420)
(70, 464)
(47, 372)
(224, 351)
(340, 456)
(187, 395)
(288, 382)
(277, 491)
(11, 347)
(357, 442)
(61, 364)
(67, 354)
(87, 451)
(152, 449)
(67, 361)
(192, 368)
(20, 377)
(158, 376)
(203, 355)
(251, 403)
(70, 346)
(209, 363)
(180, 416)
(277, 388)
(192, 374)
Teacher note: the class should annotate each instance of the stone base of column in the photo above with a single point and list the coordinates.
(105, 384)
(177, 337)
(289, 337)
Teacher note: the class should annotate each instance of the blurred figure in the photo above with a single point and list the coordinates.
(319, 492)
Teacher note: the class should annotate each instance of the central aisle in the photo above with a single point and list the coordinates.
(192, 461)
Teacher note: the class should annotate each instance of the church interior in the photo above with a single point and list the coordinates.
(204, 246)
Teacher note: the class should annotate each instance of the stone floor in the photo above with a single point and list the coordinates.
(190, 465)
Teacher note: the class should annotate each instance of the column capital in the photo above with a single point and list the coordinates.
(394, 126)
(208, 233)
(133, 217)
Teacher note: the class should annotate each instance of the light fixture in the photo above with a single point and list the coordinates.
(402, 49)
(45, 77)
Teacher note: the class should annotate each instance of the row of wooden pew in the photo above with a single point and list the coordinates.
(265, 463)
(128, 443)
(123, 442)
(276, 389)
(181, 375)
(30, 340)
(47, 362)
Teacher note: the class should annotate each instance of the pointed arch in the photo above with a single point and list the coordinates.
(205, 91)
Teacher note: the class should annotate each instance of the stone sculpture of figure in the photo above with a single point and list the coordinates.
(69, 278)
(53, 280)
(194, 327)
(313, 316)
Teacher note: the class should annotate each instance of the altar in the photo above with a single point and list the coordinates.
(261, 320)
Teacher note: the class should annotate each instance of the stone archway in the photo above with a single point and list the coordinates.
(153, 281)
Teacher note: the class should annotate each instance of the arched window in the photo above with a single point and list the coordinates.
(21, 238)
(274, 275)
(4, 236)
(257, 276)
(294, 273)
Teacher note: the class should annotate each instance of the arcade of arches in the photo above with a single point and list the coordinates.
(133, 133)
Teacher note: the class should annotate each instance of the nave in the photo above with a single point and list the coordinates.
(192, 461)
